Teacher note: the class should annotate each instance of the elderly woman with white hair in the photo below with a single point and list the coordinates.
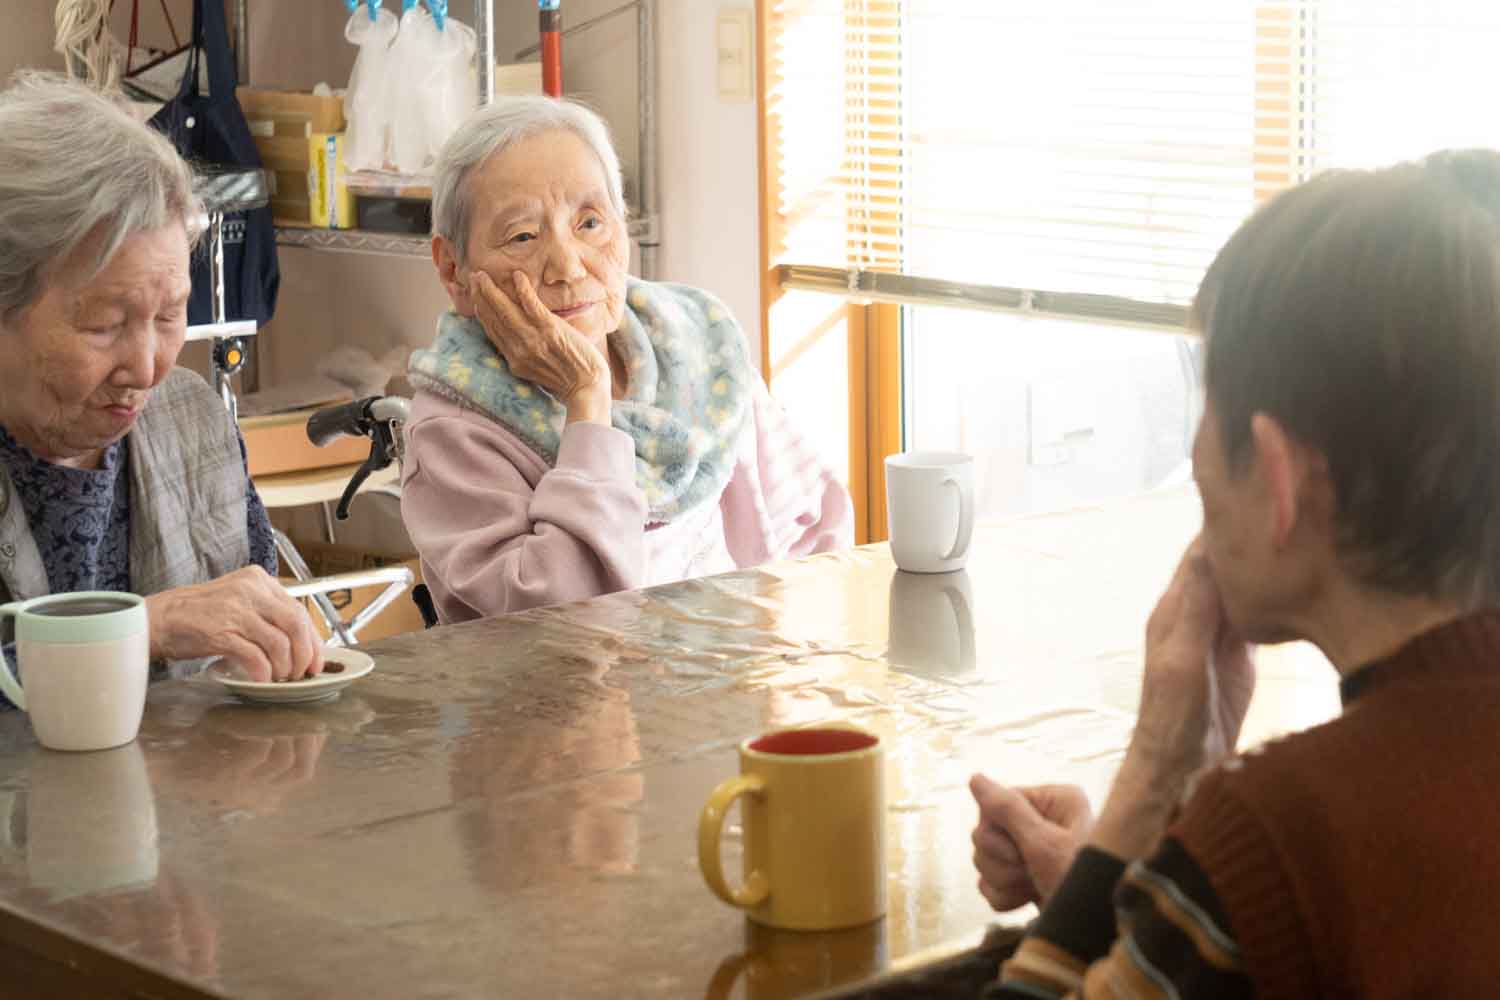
(577, 431)
(117, 470)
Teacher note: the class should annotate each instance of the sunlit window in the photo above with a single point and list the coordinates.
(1081, 160)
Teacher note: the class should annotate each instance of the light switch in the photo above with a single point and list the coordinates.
(736, 42)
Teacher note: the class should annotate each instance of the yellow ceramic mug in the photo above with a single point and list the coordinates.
(814, 818)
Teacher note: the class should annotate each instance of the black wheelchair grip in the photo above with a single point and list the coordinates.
(346, 419)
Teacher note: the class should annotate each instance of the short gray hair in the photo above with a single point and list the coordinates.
(494, 129)
(74, 164)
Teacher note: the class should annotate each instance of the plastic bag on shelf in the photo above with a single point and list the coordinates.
(369, 103)
(457, 97)
(436, 88)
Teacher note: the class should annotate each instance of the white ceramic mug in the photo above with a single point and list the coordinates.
(929, 501)
(84, 659)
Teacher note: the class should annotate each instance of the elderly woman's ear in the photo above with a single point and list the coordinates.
(454, 276)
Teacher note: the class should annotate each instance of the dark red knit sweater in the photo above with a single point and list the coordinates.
(1362, 857)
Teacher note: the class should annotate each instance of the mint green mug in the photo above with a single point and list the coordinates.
(83, 660)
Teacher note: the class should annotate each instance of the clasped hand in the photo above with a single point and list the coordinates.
(1197, 685)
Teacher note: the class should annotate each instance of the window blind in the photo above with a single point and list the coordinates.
(1090, 154)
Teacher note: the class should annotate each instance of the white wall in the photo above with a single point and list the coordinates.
(26, 38)
(709, 168)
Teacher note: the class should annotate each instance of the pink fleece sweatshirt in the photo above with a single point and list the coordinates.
(498, 530)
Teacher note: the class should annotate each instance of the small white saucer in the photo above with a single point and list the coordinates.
(341, 667)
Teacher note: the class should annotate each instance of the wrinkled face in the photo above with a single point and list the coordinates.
(542, 207)
(1260, 583)
(81, 360)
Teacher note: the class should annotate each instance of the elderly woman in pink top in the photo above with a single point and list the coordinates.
(576, 431)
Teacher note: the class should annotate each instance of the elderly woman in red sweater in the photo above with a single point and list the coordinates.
(1347, 462)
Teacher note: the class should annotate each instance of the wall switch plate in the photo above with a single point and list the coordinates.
(735, 44)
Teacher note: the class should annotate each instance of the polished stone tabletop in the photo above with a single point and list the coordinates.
(508, 808)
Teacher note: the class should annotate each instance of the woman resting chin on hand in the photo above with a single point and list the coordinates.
(576, 431)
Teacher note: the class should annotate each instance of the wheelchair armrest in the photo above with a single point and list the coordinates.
(232, 189)
(395, 580)
(381, 576)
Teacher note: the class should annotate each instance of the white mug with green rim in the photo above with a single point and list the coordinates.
(83, 658)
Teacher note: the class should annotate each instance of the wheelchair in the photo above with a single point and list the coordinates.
(224, 191)
(381, 419)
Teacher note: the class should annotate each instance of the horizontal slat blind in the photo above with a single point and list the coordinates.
(1104, 147)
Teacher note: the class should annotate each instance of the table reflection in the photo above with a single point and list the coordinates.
(932, 623)
(81, 837)
(779, 963)
(568, 773)
(249, 758)
(84, 823)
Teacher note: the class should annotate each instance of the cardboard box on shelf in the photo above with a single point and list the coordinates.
(291, 129)
(290, 112)
(278, 443)
(328, 558)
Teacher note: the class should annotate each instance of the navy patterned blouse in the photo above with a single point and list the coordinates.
(80, 518)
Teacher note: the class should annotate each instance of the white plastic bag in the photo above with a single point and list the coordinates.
(369, 103)
(413, 64)
(457, 97)
(433, 87)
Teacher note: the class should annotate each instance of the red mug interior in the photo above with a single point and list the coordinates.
(813, 742)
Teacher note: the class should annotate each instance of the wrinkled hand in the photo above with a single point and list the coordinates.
(541, 347)
(1197, 687)
(245, 617)
(1025, 840)
(1198, 678)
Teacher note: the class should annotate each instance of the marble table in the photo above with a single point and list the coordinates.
(508, 808)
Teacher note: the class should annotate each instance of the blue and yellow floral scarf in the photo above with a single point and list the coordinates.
(687, 404)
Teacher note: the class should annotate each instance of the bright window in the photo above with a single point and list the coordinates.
(1020, 192)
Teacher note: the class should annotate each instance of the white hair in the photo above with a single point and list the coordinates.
(493, 129)
(75, 165)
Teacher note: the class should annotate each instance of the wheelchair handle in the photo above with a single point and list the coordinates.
(346, 419)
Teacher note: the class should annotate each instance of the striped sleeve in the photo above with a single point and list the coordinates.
(1173, 938)
(783, 501)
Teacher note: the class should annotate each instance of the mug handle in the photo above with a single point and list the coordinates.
(964, 616)
(726, 977)
(965, 519)
(10, 685)
(711, 829)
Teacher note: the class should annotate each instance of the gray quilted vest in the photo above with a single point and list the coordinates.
(187, 498)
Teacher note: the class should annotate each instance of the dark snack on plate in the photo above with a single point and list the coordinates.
(329, 667)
